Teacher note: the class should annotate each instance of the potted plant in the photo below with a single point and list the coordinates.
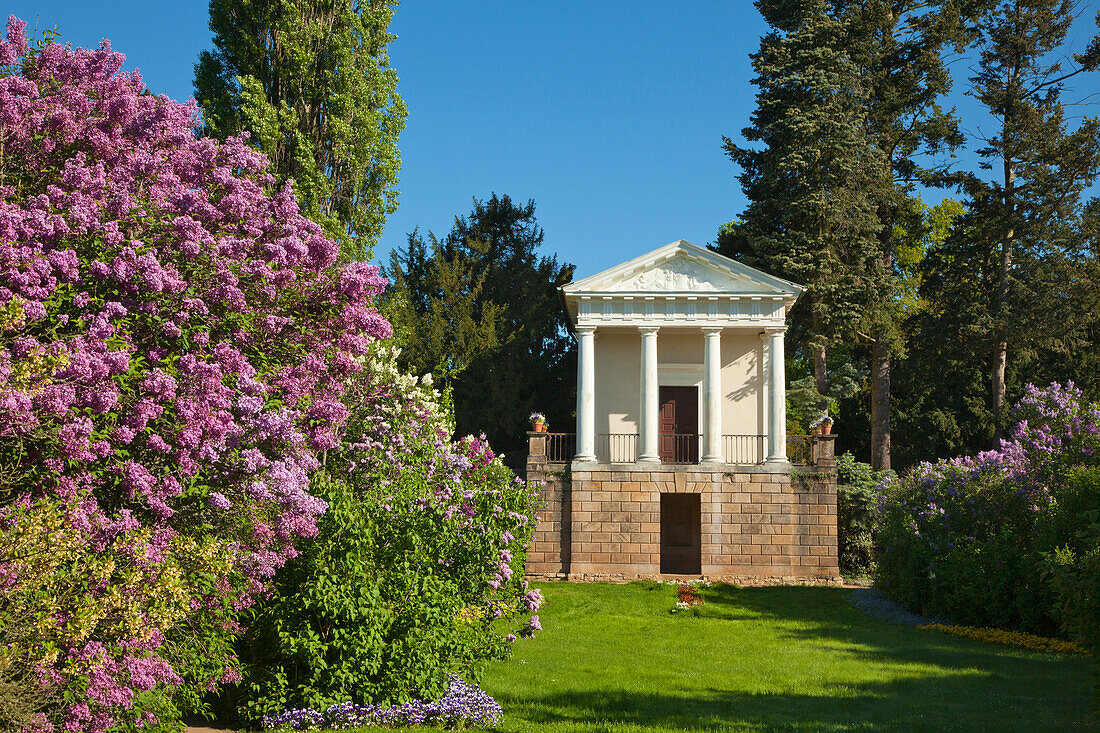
(822, 424)
(538, 422)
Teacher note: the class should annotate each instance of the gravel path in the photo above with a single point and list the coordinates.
(881, 608)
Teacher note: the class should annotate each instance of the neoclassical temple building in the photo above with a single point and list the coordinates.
(680, 463)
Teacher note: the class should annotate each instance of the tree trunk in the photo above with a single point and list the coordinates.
(1000, 342)
(880, 405)
(821, 378)
(880, 351)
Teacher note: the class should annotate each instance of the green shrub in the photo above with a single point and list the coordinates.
(416, 571)
(1074, 565)
(857, 499)
(976, 540)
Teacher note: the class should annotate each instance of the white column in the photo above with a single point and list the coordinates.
(777, 405)
(712, 395)
(586, 394)
(647, 428)
(763, 397)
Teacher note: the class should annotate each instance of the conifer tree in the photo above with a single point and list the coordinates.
(898, 46)
(1021, 217)
(811, 187)
(528, 360)
(435, 305)
(310, 81)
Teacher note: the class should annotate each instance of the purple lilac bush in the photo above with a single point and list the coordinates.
(971, 539)
(175, 338)
(463, 705)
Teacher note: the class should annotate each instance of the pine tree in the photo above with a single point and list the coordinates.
(812, 213)
(1041, 169)
(310, 81)
(898, 45)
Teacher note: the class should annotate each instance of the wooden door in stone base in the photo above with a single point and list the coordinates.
(681, 534)
(678, 424)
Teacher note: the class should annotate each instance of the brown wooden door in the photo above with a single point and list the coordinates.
(681, 534)
(678, 424)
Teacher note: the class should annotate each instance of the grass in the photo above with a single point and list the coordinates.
(612, 658)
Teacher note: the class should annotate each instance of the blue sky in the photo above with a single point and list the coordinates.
(610, 115)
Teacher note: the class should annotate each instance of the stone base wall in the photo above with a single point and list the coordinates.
(763, 524)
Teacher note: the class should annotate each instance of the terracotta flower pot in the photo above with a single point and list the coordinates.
(540, 427)
(826, 428)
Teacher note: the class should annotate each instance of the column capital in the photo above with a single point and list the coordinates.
(648, 329)
(584, 329)
(772, 331)
(712, 329)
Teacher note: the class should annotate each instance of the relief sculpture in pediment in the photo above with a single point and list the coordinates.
(673, 276)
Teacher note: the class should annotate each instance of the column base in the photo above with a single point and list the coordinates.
(649, 459)
(713, 459)
(582, 458)
(776, 459)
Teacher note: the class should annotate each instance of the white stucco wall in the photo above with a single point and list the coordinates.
(618, 382)
(741, 401)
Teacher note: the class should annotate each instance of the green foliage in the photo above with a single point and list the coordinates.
(415, 571)
(857, 499)
(960, 552)
(976, 539)
(484, 309)
(1073, 567)
(811, 216)
(436, 307)
(310, 81)
(805, 403)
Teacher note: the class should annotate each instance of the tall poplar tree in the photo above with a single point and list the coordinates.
(812, 184)
(1040, 166)
(310, 80)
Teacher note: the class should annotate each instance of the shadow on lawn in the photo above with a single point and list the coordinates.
(824, 614)
(952, 702)
(937, 682)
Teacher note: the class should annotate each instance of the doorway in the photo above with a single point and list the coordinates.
(678, 424)
(681, 534)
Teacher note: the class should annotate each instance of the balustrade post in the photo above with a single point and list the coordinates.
(825, 451)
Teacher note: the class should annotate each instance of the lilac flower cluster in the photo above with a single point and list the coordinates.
(463, 705)
(197, 335)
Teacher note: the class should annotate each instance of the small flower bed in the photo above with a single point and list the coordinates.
(687, 598)
(1009, 638)
(463, 705)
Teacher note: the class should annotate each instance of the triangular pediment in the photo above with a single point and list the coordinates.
(682, 267)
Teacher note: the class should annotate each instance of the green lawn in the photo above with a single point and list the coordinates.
(612, 658)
